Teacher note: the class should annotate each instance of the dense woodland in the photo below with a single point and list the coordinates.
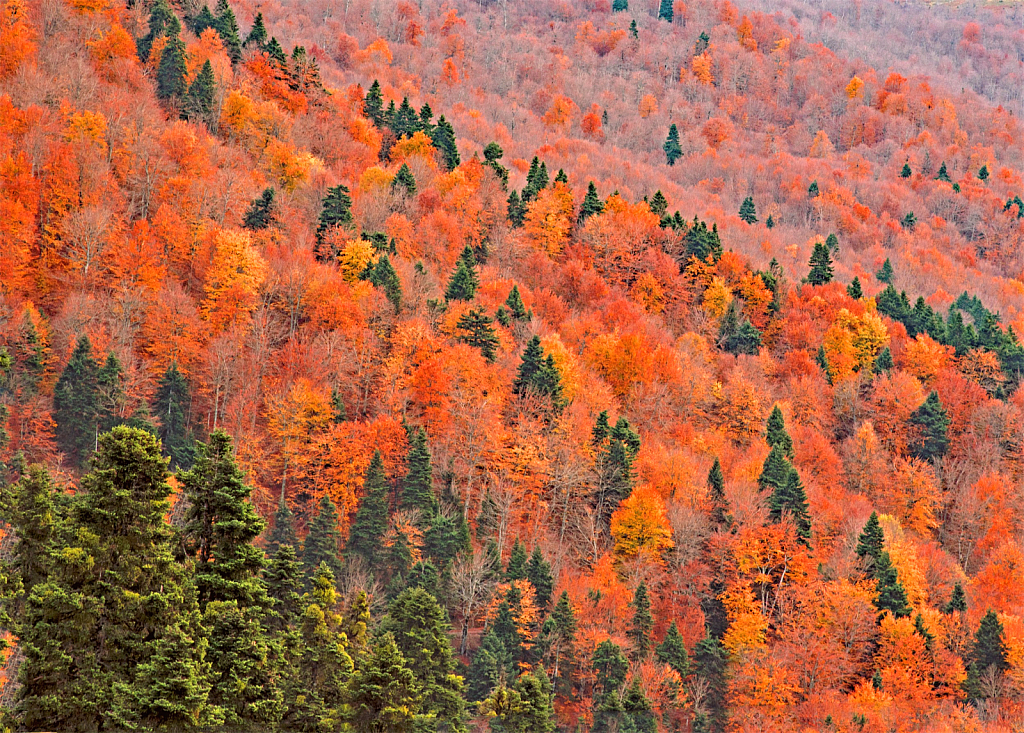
(586, 365)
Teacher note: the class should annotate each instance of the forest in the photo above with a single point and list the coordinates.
(511, 365)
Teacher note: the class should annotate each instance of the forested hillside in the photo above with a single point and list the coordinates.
(576, 365)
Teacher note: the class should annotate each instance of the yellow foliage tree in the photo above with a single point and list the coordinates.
(355, 255)
(640, 526)
(549, 219)
(234, 277)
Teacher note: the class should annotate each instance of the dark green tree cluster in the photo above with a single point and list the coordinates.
(592, 203)
(262, 212)
(891, 596)
(788, 499)
(464, 281)
(673, 150)
(538, 375)
(404, 121)
(748, 211)
(1015, 202)
(702, 242)
(382, 275)
(475, 329)
(736, 334)
(615, 449)
(336, 211)
(536, 181)
(492, 155)
(821, 265)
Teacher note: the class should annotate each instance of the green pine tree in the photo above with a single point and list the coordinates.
(716, 493)
(884, 274)
(642, 623)
(620, 6)
(883, 362)
(172, 71)
(891, 595)
(957, 600)
(673, 150)
(384, 277)
(812, 190)
(371, 520)
(931, 429)
(443, 138)
(672, 651)
(634, 33)
(775, 433)
(322, 540)
(171, 405)
(983, 173)
(770, 222)
(909, 221)
(517, 561)
(419, 626)
(665, 10)
(227, 26)
(200, 97)
(261, 213)
(110, 393)
(988, 657)
(538, 572)
(906, 172)
(257, 34)
(76, 404)
(748, 212)
(373, 104)
(658, 203)
(516, 210)
(336, 211)
(477, 331)
(821, 265)
(464, 280)
(418, 485)
(775, 471)
(943, 175)
(871, 543)
(592, 203)
(515, 305)
(162, 22)
(404, 182)
(854, 289)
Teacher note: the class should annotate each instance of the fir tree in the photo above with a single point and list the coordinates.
(418, 484)
(517, 560)
(854, 289)
(323, 540)
(983, 173)
(477, 332)
(884, 274)
(672, 148)
(538, 572)
(665, 11)
(491, 668)
(443, 138)
(776, 435)
(162, 22)
(561, 177)
(118, 563)
(610, 667)
(770, 222)
(702, 242)
(537, 375)
(620, 6)
(336, 211)
(592, 203)
(371, 520)
(227, 26)
(943, 175)
(703, 40)
(931, 425)
(110, 393)
(199, 99)
(775, 471)
(791, 500)
(464, 280)
(419, 626)
(276, 53)
(747, 211)
(384, 277)
(617, 448)
(76, 404)
(716, 493)
(812, 190)
(373, 105)
(642, 623)
(261, 213)
(171, 405)
(909, 221)
(514, 301)
(283, 531)
(672, 651)
(891, 595)
(658, 203)
(516, 210)
(172, 71)
(871, 543)
(560, 634)
(257, 34)
(634, 32)
(33, 510)
(957, 600)
(988, 657)
(906, 172)
(821, 265)
(638, 711)
(403, 182)
(203, 19)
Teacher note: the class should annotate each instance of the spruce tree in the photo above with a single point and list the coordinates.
(561, 177)
(538, 572)
(791, 500)
(560, 636)
(891, 595)
(384, 277)
(76, 404)
(638, 711)
(199, 99)
(620, 6)
(443, 138)
(957, 600)
(906, 172)
(672, 148)
(931, 425)
(716, 493)
(514, 302)
(883, 362)
(634, 33)
(276, 53)
(477, 331)
(943, 175)
(172, 71)
(774, 471)
(821, 265)
(464, 280)
(323, 540)
(33, 509)
(665, 10)
(373, 104)
(261, 213)
(162, 22)
(983, 173)
(871, 543)
(989, 655)
(642, 623)
(770, 222)
(201, 21)
(403, 182)
(492, 667)
(658, 203)
(418, 485)
(884, 274)
(748, 212)
(517, 561)
(284, 586)
(108, 668)
(672, 651)
(371, 520)
(227, 26)
(336, 211)
(854, 289)
(909, 221)
(110, 393)
(171, 406)
(812, 190)
(419, 626)
(257, 34)
(775, 433)
(516, 210)
(592, 203)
